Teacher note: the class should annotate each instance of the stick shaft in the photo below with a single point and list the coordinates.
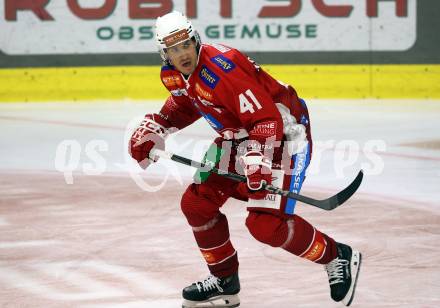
(326, 204)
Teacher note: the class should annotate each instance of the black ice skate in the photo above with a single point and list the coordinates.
(343, 273)
(213, 292)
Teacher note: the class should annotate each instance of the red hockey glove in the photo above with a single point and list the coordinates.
(150, 134)
(257, 169)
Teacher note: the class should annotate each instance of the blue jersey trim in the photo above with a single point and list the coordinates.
(302, 161)
(167, 68)
(213, 121)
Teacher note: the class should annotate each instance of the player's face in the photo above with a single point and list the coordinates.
(183, 56)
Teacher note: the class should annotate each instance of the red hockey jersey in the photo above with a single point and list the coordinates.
(231, 92)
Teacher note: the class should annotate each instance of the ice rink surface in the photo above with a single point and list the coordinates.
(82, 226)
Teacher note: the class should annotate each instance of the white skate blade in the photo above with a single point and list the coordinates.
(217, 301)
(355, 265)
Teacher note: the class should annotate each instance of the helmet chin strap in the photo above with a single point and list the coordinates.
(198, 47)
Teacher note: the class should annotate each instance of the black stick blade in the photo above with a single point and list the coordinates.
(350, 189)
(334, 201)
(338, 199)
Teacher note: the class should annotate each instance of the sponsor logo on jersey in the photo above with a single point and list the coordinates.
(224, 63)
(270, 197)
(205, 102)
(171, 104)
(208, 77)
(179, 92)
(176, 38)
(212, 121)
(301, 160)
(297, 172)
(202, 92)
(265, 129)
(163, 116)
(209, 118)
(172, 81)
(209, 104)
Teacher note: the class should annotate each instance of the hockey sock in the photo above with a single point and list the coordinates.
(216, 247)
(310, 243)
(211, 231)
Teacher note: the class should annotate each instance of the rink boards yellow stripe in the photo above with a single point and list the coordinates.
(311, 81)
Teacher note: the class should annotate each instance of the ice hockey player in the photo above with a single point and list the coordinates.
(257, 119)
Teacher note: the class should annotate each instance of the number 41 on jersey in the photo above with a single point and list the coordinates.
(248, 102)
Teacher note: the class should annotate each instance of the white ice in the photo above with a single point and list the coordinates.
(31, 133)
(105, 232)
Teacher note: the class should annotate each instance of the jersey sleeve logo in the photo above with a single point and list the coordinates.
(208, 77)
(224, 63)
(179, 92)
(172, 81)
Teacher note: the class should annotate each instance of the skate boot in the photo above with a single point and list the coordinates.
(213, 292)
(343, 273)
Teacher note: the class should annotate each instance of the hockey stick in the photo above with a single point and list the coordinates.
(325, 204)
